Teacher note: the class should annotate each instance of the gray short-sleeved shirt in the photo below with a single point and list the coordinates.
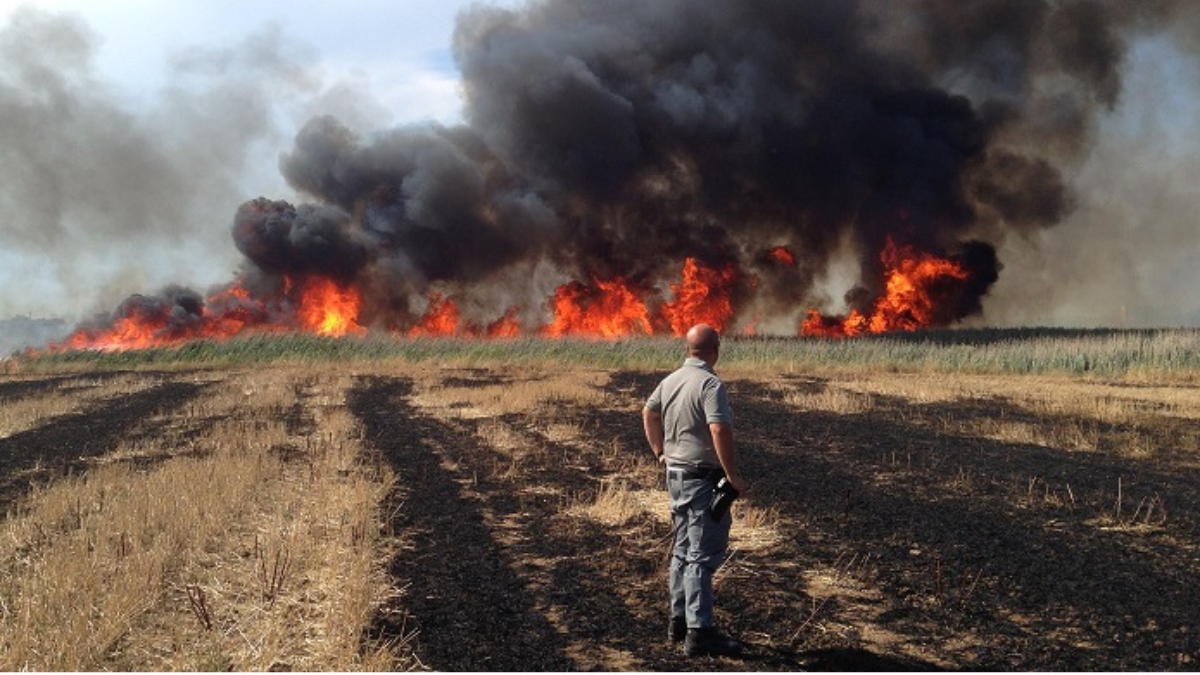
(690, 399)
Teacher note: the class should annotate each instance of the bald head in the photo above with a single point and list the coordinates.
(703, 342)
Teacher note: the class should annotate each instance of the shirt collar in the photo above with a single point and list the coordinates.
(698, 363)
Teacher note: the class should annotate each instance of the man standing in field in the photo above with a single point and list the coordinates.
(689, 425)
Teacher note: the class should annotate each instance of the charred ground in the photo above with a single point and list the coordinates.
(886, 530)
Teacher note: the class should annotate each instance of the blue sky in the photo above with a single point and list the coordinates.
(402, 48)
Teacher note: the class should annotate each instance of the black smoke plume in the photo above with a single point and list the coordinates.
(618, 137)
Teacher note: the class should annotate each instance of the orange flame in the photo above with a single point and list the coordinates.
(441, 318)
(326, 308)
(138, 329)
(144, 323)
(231, 311)
(822, 326)
(608, 309)
(916, 284)
(907, 304)
(782, 255)
(506, 326)
(751, 328)
(703, 296)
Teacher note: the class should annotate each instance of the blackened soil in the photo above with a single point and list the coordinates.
(14, 390)
(17, 389)
(901, 544)
(64, 444)
(469, 608)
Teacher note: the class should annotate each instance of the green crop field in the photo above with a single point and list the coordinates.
(1170, 353)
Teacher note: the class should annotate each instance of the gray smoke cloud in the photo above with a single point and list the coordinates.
(104, 190)
(1125, 256)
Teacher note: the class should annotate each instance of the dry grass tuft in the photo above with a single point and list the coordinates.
(618, 504)
(92, 555)
(755, 528)
(447, 392)
(831, 399)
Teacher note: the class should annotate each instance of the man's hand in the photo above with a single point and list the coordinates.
(738, 484)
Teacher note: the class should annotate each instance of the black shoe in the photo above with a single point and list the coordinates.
(710, 642)
(677, 629)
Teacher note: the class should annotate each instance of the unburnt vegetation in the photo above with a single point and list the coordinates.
(207, 521)
(486, 513)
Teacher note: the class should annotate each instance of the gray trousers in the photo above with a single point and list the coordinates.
(700, 544)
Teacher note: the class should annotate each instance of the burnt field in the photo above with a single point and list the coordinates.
(512, 519)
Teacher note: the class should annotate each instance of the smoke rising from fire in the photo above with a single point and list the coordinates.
(626, 140)
(88, 167)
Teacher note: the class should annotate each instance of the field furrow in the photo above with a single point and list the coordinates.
(538, 535)
(468, 607)
(63, 443)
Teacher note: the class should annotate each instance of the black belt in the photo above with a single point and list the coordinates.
(698, 474)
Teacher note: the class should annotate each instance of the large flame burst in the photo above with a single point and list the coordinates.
(328, 309)
(703, 296)
(915, 281)
(604, 309)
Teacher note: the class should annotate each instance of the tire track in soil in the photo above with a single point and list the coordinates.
(63, 444)
(606, 588)
(15, 390)
(470, 609)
